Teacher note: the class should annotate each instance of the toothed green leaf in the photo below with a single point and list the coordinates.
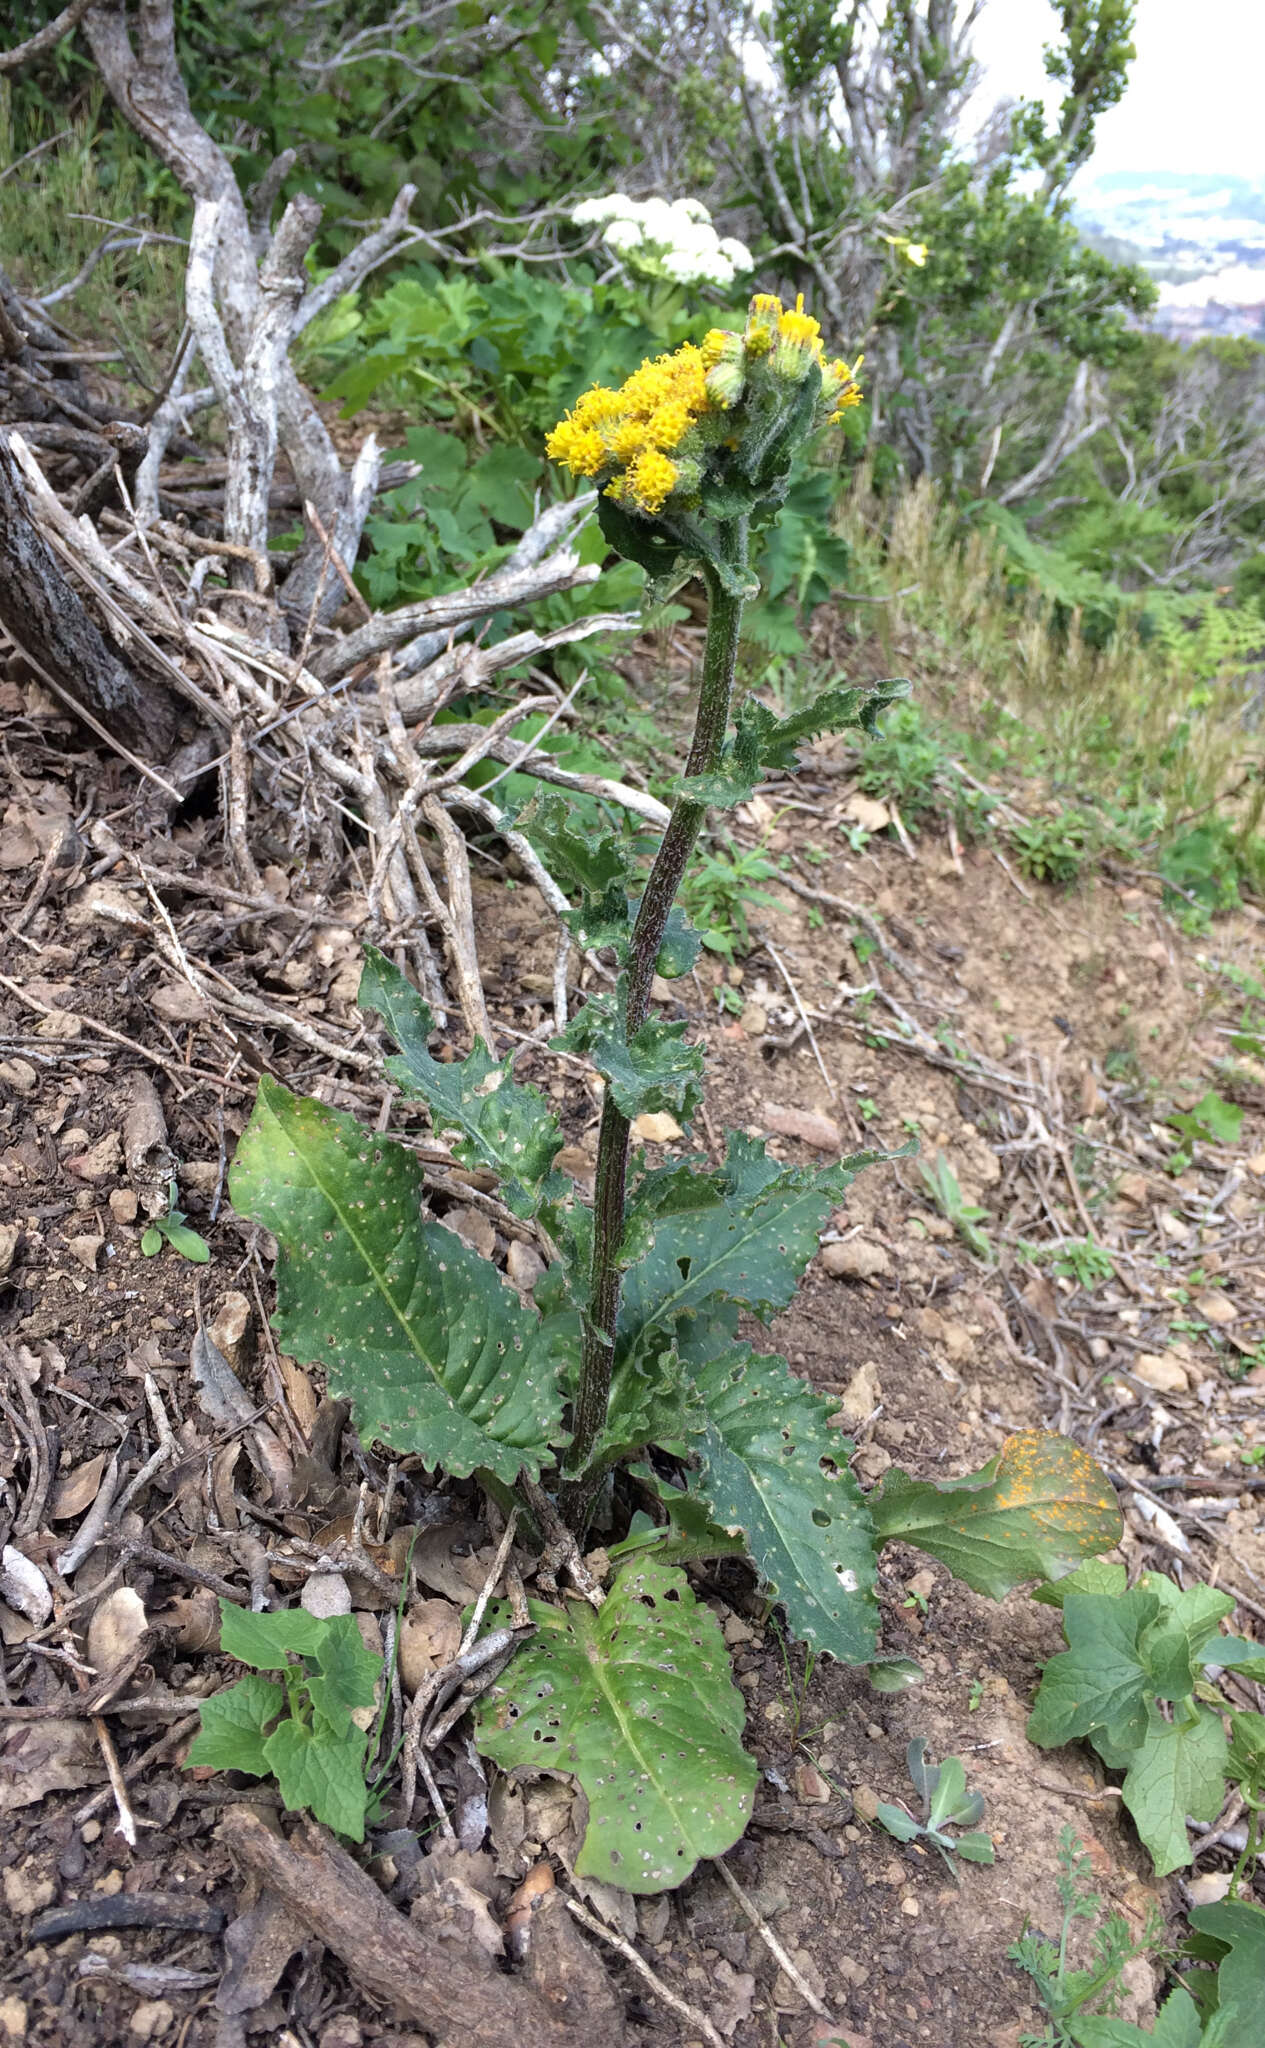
(504, 1125)
(321, 1773)
(437, 1356)
(651, 1071)
(636, 1701)
(773, 1469)
(232, 1736)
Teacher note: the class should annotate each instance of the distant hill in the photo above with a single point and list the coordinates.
(1200, 235)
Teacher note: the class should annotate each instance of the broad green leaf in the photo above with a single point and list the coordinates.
(1238, 1930)
(187, 1242)
(975, 1847)
(651, 1071)
(746, 1231)
(231, 1737)
(1178, 2026)
(1095, 1575)
(1246, 1761)
(321, 1775)
(652, 1401)
(897, 1822)
(1212, 1119)
(1173, 1648)
(352, 1669)
(1034, 1511)
(503, 1124)
(1100, 1680)
(264, 1640)
(689, 1534)
(774, 1470)
(436, 1355)
(1178, 1769)
(1236, 1653)
(637, 1702)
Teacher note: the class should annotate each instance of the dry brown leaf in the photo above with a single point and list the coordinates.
(117, 1628)
(429, 1639)
(656, 1127)
(1217, 1307)
(179, 1003)
(76, 1491)
(39, 1757)
(807, 1125)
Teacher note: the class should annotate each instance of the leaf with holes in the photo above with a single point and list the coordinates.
(772, 1468)
(1033, 1512)
(437, 1356)
(504, 1125)
(637, 1702)
(746, 1231)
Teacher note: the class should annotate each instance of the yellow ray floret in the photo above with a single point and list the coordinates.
(651, 480)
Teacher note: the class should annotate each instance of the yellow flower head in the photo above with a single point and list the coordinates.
(681, 417)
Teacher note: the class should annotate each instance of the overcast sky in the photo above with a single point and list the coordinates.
(1194, 100)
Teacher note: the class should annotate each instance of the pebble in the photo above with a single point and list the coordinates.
(854, 1259)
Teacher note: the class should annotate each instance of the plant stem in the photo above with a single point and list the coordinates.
(724, 615)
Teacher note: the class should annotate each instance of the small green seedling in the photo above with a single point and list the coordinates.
(1076, 1258)
(1212, 1121)
(1077, 2000)
(296, 1726)
(946, 1803)
(174, 1230)
(942, 1185)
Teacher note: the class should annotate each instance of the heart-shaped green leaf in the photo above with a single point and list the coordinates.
(435, 1353)
(1033, 1512)
(637, 1702)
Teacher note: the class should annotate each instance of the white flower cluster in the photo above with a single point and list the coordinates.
(669, 238)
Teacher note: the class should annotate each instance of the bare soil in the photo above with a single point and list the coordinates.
(1047, 1034)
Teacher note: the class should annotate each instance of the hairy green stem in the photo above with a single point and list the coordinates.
(724, 615)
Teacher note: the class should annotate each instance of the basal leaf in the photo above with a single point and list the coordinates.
(1099, 1681)
(231, 1737)
(1095, 1575)
(503, 1124)
(321, 1775)
(651, 1071)
(1178, 2026)
(436, 1355)
(1033, 1512)
(1178, 1769)
(351, 1669)
(746, 1231)
(637, 1702)
(773, 1469)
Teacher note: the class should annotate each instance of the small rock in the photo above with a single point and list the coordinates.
(909, 1906)
(653, 1916)
(524, 1264)
(736, 1631)
(656, 1127)
(865, 1803)
(809, 1126)
(1161, 1370)
(1256, 1164)
(326, 1594)
(855, 1259)
(1135, 1189)
(809, 1786)
(10, 1239)
(179, 1003)
(861, 1396)
(872, 1463)
(1215, 1307)
(86, 1250)
(20, 1076)
(473, 1228)
(101, 1159)
(60, 1024)
(152, 2017)
(342, 2032)
(13, 2018)
(754, 1020)
(27, 1890)
(123, 1204)
(869, 812)
(1210, 1889)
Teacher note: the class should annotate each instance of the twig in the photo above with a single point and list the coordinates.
(771, 1942)
(784, 971)
(691, 2015)
(127, 1819)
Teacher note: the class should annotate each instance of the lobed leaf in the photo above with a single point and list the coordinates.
(762, 742)
(746, 1231)
(651, 1071)
(636, 1701)
(774, 1470)
(437, 1356)
(231, 1737)
(1033, 1512)
(1233, 1934)
(321, 1773)
(1177, 1769)
(503, 1124)
(1100, 1680)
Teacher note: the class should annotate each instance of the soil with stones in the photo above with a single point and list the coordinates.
(1034, 1039)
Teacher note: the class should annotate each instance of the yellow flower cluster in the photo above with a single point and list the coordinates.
(636, 427)
(651, 438)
